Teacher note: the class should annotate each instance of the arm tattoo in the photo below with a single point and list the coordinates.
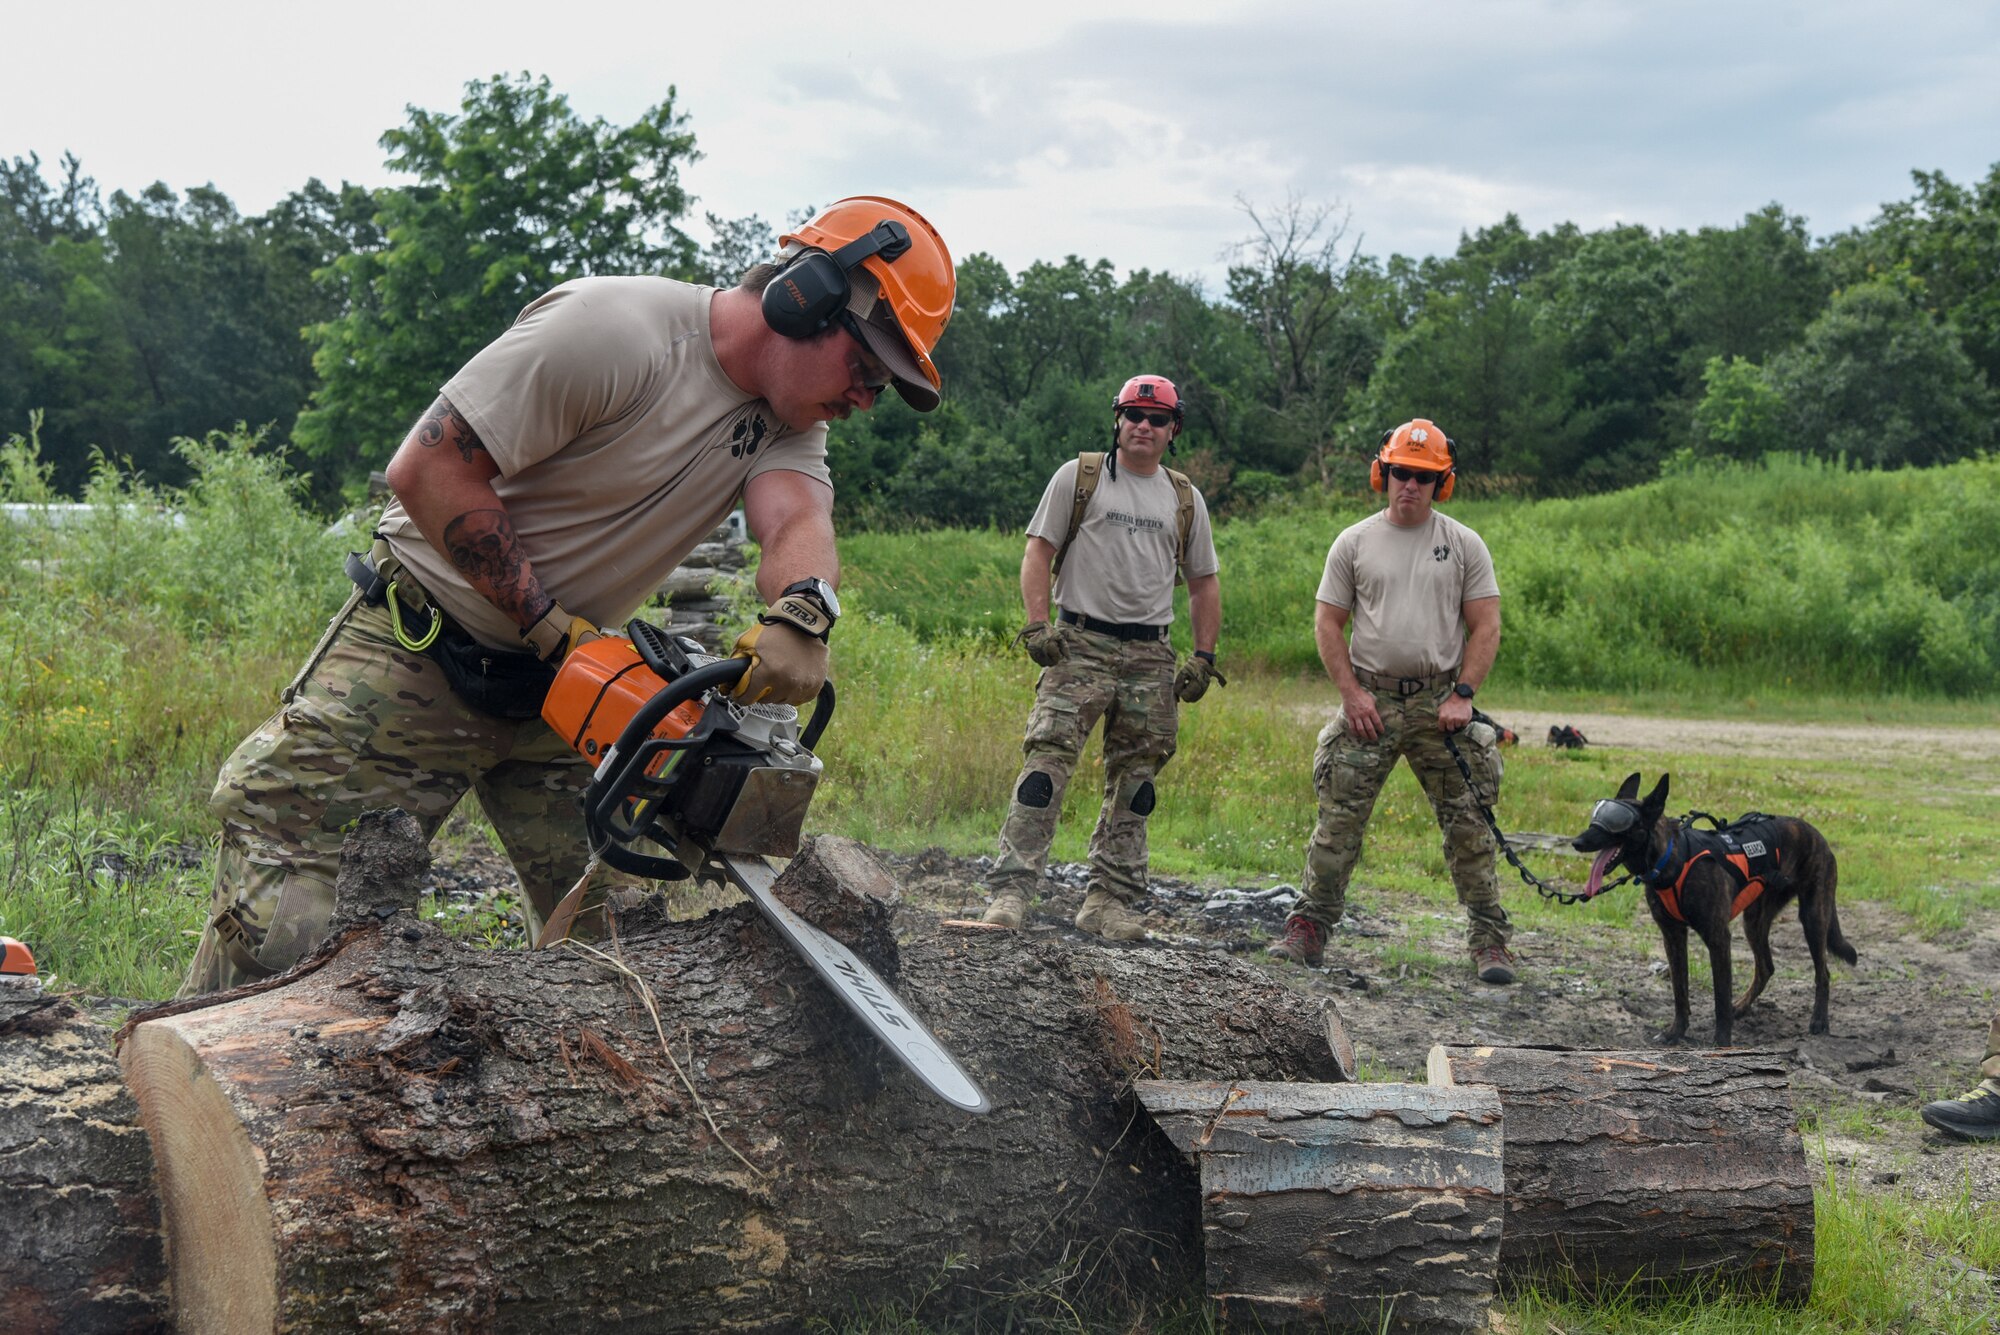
(483, 547)
(444, 424)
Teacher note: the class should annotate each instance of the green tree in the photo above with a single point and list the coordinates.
(1740, 415)
(1880, 380)
(512, 196)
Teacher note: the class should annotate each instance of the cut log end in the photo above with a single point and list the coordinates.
(223, 1264)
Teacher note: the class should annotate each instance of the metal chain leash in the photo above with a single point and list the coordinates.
(1544, 890)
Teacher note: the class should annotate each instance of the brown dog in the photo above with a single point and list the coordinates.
(1701, 880)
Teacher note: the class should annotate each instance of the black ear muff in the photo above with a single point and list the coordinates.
(1442, 492)
(810, 293)
(1377, 480)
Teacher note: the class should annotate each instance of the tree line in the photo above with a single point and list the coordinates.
(1561, 361)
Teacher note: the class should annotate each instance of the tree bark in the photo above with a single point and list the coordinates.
(1371, 1207)
(1647, 1172)
(81, 1248)
(422, 1136)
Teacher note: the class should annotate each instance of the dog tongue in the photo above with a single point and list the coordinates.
(1601, 864)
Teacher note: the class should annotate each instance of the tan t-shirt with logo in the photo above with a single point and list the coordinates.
(1121, 566)
(1404, 587)
(621, 445)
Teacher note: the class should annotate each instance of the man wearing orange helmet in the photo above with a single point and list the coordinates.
(560, 476)
(1112, 534)
(1419, 592)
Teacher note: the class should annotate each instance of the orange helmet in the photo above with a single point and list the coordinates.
(916, 277)
(1149, 391)
(15, 959)
(1419, 444)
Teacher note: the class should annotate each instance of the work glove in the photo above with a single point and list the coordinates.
(1191, 682)
(557, 633)
(1045, 643)
(787, 664)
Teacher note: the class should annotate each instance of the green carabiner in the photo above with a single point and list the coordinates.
(396, 620)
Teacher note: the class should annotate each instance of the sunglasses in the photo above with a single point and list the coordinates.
(874, 375)
(1614, 815)
(1138, 415)
(1402, 474)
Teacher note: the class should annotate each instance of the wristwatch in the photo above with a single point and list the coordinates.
(1460, 688)
(809, 605)
(820, 592)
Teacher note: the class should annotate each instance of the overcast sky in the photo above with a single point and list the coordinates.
(1034, 129)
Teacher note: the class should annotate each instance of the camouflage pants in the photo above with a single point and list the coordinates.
(1348, 775)
(1990, 1068)
(371, 724)
(1130, 685)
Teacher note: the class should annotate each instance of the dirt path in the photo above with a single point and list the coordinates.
(1724, 736)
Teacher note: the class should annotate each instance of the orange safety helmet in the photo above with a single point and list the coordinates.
(1417, 443)
(919, 282)
(1149, 391)
(15, 959)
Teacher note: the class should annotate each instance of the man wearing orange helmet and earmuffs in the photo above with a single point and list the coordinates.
(558, 479)
(1418, 591)
(1113, 534)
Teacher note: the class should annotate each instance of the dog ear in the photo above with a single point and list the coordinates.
(1629, 790)
(1656, 801)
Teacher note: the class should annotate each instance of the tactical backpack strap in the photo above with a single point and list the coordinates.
(1089, 472)
(1184, 515)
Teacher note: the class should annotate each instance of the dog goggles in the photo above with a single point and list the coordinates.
(1614, 815)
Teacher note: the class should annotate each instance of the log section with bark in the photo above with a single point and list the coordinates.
(1370, 1207)
(1647, 1171)
(81, 1248)
(417, 1135)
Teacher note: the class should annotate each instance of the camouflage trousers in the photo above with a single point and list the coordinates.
(367, 724)
(1348, 775)
(1990, 1068)
(1130, 685)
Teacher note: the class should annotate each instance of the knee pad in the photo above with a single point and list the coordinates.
(1142, 799)
(1035, 791)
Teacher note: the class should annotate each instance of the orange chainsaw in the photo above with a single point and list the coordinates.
(720, 786)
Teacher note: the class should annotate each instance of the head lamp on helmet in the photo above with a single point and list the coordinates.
(880, 268)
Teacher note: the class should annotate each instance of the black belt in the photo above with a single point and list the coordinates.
(1404, 686)
(1117, 630)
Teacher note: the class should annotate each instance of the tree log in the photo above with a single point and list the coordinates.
(410, 1134)
(1647, 1172)
(1372, 1207)
(81, 1249)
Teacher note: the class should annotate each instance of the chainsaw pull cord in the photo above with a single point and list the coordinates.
(1544, 890)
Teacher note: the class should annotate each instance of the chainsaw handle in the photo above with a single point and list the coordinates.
(822, 715)
(636, 746)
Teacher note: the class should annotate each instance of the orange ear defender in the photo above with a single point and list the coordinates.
(15, 959)
(1418, 444)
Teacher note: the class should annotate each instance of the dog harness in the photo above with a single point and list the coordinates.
(1747, 847)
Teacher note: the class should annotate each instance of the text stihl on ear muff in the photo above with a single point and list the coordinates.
(811, 291)
(1417, 444)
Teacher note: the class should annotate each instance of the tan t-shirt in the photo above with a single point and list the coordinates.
(1404, 587)
(621, 445)
(1121, 566)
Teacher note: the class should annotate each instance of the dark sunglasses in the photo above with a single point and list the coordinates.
(871, 365)
(1402, 474)
(1614, 815)
(1138, 415)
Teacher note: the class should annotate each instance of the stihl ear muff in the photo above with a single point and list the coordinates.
(1378, 477)
(809, 293)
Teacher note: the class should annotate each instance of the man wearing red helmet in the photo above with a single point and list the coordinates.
(560, 476)
(1418, 590)
(1112, 532)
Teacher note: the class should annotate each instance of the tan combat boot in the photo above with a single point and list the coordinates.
(1104, 914)
(1008, 909)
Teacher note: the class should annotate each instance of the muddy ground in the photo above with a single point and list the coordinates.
(1908, 1023)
